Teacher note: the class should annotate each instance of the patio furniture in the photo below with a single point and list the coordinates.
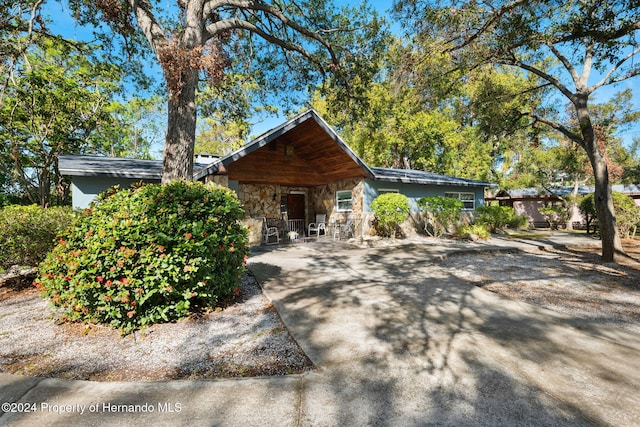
(346, 229)
(318, 226)
(269, 232)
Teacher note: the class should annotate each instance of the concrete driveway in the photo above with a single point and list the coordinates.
(398, 341)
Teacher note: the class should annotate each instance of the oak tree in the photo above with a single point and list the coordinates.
(190, 37)
(574, 47)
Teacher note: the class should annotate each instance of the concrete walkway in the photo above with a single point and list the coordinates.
(395, 342)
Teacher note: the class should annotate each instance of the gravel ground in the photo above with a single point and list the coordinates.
(245, 339)
(249, 339)
(571, 281)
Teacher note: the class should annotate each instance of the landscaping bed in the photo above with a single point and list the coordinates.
(246, 338)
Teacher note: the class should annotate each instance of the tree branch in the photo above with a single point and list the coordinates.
(239, 24)
(549, 78)
(613, 70)
(600, 36)
(565, 62)
(496, 16)
(150, 27)
(560, 128)
(269, 10)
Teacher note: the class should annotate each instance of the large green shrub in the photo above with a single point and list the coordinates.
(390, 209)
(146, 255)
(518, 222)
(627, 213)
(4, 201)
(441, 213)
(28, 233)
(497, 217)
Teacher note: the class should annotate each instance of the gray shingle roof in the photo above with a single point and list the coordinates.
(76, 165)
(627, 188)
(558, 191)
(152, 169)
(563, 191)
(410, 176)
(110, 166)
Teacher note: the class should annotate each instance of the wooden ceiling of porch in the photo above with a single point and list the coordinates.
(316, 160)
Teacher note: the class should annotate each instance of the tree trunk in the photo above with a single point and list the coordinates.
(44, 183)
(603, 198)
(603, 201)
(61, 185)
(181, 131)
(182, 110)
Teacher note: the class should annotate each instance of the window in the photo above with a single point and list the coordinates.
(468, 199)
(344, 201)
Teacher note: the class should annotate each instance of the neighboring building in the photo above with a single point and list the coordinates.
(528, 201)
(292, 173)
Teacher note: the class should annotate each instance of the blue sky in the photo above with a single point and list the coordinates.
(64, 24)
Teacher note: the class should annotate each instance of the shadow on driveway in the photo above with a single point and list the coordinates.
(400, 340)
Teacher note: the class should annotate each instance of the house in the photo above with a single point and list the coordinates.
(289, 174)
(91, 175)
(528, 201)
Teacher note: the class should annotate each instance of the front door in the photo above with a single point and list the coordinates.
(295, 212)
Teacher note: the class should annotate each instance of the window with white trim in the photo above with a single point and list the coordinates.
(468, 199)
(344, 201)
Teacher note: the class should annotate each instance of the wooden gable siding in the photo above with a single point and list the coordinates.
(317, 160)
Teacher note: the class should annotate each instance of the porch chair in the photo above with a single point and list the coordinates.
(319, 225)
(269, 232)
(345, 229)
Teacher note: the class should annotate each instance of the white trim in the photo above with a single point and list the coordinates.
(457, 196)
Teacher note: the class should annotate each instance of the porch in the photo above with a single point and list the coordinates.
(278, 231)
(290, 209)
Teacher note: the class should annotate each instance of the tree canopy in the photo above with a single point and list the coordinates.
(410, 116)
(57, 97)
(572, 48)
(285, 46)
(53, 104)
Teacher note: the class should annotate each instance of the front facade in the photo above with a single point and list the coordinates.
(302, 169)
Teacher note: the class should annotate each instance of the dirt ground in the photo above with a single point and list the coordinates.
(572, 281)
(248, 338)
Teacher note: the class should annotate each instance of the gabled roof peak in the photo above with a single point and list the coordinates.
(271, 135)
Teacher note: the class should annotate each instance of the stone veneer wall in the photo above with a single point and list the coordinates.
(222, 180)
(323, 201)
(260, 200)
(254, 231)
